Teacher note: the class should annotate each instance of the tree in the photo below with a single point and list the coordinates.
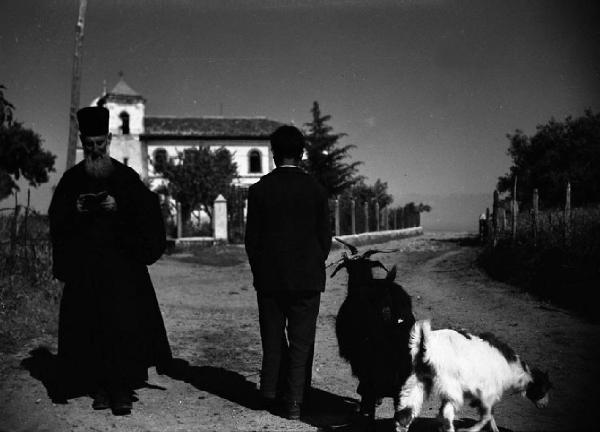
(362, 192)
(326, 158)
(197, 177)
(21, 152)
(417, 208)
(559, 152)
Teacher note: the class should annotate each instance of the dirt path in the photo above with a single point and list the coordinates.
(210, 312)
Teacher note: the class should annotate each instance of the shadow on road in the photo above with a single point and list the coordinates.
(43, 366)
(323, 409)
(419, 425)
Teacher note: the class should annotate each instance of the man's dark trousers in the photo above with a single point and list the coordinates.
(298, 311)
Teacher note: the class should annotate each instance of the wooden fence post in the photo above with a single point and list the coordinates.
(400, 213)
(567, 216)
(514, 213)
(502, 219)
(24, 229)
(14, 228)
(535, 216)
(395, 212)
(376, 215)
(366, 209)
(488, 226)
(496, 204)
(353, 215)
(337, 215)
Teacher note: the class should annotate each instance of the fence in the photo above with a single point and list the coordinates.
(349, 216)
(558, 226)
(25, 243)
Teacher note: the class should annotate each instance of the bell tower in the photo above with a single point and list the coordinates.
(126, 109)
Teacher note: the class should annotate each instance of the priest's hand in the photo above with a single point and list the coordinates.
(109, 204)
(80, 204)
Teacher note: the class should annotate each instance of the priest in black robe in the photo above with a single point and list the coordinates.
(106, 228)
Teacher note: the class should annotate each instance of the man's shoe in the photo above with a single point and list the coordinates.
(292, 410)
(101, 400)
(120, 403)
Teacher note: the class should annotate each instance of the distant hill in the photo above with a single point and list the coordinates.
(454, 212)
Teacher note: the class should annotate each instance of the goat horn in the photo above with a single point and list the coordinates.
(340, 266)
(353, 249)
(334, 262)
(391, 276)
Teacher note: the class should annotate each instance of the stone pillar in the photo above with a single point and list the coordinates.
(220, 219)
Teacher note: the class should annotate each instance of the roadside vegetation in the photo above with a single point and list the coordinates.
(554, 249)
(29, 295)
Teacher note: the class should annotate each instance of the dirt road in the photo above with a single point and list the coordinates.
(210, 312)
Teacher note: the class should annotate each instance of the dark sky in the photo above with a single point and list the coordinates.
(427, 90)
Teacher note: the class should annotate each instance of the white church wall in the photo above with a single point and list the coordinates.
(239, 150)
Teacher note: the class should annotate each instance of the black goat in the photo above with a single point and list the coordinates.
(372, 328)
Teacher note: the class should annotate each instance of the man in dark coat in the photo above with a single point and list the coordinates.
(106, 227)
(287, 240)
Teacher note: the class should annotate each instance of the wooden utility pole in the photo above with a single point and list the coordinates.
(75, 86)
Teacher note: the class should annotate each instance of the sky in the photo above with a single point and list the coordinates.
(425, 89)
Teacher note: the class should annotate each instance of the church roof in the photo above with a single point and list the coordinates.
(209, 127)
(122, 88)
(123, 93)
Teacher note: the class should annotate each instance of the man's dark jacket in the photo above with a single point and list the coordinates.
(109, 315)
(287, 231)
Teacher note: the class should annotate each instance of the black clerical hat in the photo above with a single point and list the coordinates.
(93, 121)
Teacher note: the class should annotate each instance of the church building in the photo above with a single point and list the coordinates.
(137, 139)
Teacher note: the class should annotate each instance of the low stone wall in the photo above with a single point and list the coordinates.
(377, 237)
(362, 239)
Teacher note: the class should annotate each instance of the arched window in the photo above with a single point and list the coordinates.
(255, 161)
(124, 123)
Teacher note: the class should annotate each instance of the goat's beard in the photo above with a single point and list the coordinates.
(100, 167)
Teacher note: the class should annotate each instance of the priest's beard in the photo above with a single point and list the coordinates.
(98, 166)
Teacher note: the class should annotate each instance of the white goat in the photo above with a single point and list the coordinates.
(455, 366)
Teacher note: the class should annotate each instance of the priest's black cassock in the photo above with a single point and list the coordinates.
(110, 326)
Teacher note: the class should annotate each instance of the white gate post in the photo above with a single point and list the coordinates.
(220, 219)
